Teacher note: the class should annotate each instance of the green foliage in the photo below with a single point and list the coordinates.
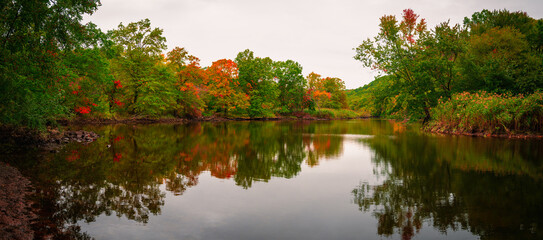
(498, 51)
(378, 98)
(54, 67)
(398, 50)
(484, 112)
(32, 33)
(329, 113)
(500, 60)
(504, 53)
(256, 79)
(481, 22)
(290, 83)
(156, 93)
(141, 68)
(87, 81)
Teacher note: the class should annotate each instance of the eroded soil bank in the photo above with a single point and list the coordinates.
(16, 214)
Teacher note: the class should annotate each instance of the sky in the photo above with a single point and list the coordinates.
(319, 34)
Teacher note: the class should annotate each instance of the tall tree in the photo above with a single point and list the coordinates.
(396, 51)
(291, 84)
(141, 68)
(190, 83)
(504, 53)
(256, 80)
(223, 88)
(444, 45)
(32, 33)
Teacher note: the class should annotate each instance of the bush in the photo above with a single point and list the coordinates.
(484, 112)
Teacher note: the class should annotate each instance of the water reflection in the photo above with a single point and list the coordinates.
(122, 171)
(489, 187)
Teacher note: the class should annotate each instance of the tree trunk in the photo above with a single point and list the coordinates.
(427, 117)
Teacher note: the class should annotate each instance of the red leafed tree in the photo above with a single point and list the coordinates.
(190, 79)
(223, 90)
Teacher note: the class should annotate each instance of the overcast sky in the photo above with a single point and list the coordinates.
(320, 35)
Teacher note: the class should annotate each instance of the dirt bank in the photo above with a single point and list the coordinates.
(16, 215)
(482, 134)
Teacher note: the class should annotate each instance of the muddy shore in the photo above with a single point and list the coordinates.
(16, 214)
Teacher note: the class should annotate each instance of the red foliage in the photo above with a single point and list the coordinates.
(223, 170)
(422, 25)
(119, 103)
(118, 138)
(410, 18)
(117, 84)
(308, 96)
(83, 110)
(117, 157)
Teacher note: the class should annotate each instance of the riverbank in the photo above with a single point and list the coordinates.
(13, 139)
(15, 207)
(53, 138)
(318, 114)
(484, 134)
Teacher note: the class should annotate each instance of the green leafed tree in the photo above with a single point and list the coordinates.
(422, 63)
(504, 52)
(256, 80)
(32, 34)
(396, 50)
(142, 68)
(291, 83)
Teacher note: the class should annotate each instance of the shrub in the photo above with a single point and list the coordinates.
(483, 112)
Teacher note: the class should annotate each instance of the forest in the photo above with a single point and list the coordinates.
(482, 76)
(54, 67)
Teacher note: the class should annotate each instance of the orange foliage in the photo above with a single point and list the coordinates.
(222, 85)
(318, 94)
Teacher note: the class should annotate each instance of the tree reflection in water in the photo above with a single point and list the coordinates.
(490, 187)
(121, 173)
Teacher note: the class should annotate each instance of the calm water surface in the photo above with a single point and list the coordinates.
(357, 179)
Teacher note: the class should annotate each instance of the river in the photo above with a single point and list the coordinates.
(344, 179)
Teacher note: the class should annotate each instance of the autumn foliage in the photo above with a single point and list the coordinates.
(327, 92)
(223, 90)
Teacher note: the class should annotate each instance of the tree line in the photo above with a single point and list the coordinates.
(498, 52)
(54, 67)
